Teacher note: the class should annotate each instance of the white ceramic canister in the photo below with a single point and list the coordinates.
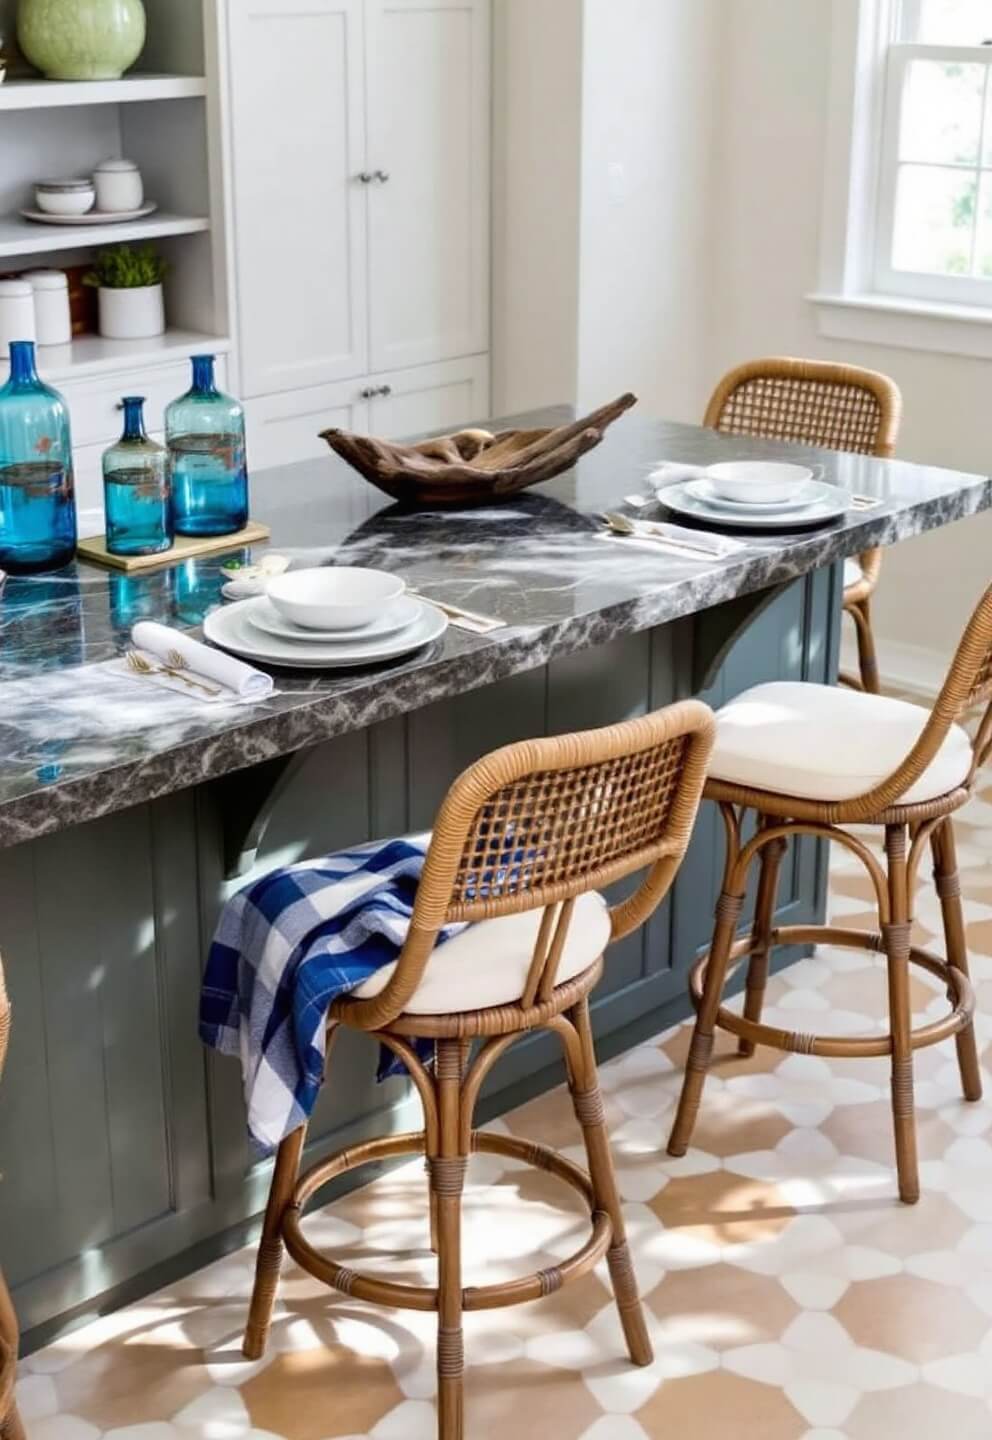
(52, 319)
(119, 186)
(16, 313)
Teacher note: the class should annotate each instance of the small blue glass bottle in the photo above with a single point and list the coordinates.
(205, 433)
(136, 488)
(37, 499)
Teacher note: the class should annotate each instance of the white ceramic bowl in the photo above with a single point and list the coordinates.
(758, 482)
(335, 597)
(65, 197)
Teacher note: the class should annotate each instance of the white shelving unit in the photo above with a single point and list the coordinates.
(167, 117)
(30, 237)
(58, 94)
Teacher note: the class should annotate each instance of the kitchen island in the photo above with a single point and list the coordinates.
(129, 813)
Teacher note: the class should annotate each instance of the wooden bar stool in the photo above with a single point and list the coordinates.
(836, 407)
(811, 760)
(10, 1422)
(522, 845)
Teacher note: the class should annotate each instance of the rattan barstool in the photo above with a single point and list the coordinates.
(779, 728)
(537, 829)
(10, 1421)
(837, 407)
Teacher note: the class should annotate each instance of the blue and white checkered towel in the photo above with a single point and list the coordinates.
(285, 949)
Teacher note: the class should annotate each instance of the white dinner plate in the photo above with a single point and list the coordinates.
(703, 490)
(93, 217)
(403, 612)
(832, 503)
(230, 627)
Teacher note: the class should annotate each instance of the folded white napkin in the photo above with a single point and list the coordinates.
(670, 472)
(235, 679)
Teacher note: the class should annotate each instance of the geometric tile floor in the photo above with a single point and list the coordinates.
(790, 1295)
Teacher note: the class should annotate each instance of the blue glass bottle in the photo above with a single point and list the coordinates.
(37, 499)
(205, 433)
(137, 490)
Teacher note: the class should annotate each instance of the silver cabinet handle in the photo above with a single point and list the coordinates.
(385, 390)
(372, 392)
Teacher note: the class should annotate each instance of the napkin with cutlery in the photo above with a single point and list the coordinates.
(174, 660)
(681, 539)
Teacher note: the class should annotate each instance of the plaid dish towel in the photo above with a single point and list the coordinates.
(285, 949)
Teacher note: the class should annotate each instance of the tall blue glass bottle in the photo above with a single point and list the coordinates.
(37, 498)
(136, 488)
(205, 434)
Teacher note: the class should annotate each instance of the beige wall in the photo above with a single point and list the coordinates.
(767, 197)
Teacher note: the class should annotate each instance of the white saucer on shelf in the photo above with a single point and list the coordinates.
(400, 615)
(231, 628)
(93, 217)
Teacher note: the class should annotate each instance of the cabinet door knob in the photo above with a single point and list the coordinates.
(382, 176)
(365, 176)
(368, 393)
(385, 390)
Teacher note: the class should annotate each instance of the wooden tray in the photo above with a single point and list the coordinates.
(473, 467)
(185, 547)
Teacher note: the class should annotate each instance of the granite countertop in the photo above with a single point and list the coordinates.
(77, 742)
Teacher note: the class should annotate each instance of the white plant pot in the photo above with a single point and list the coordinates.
(135, 314)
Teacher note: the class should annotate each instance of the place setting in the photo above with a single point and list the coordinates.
(753, 495)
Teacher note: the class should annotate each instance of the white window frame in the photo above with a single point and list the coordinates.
(926, 285)
(850, 301)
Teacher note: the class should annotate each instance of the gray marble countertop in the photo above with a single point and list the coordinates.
(77, 741)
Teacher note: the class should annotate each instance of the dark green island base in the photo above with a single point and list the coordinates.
(122, 1143)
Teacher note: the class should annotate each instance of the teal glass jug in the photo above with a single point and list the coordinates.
(37, 497)
(205, 435)
(136, 489)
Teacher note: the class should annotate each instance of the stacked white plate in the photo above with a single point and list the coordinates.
(757, 496)
(258, 630)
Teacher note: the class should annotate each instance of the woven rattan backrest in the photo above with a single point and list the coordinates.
(544, 821)
(809, 402)
(968, 683)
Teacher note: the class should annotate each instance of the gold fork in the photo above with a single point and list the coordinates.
(141, 666)
(179, 662)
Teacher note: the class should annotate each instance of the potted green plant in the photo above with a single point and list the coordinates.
(129, 286)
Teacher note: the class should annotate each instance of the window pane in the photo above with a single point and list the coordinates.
(942, 112)
(983, 250)
(946, 22)
(935, 218)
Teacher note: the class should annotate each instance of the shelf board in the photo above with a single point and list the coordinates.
(38, 94)
(94, 355)
(30, 237)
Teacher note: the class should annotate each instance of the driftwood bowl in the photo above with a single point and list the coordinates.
(473, 467)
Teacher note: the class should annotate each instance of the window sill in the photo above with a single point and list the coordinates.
(906, 324)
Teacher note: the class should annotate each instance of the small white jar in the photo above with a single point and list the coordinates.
(52, 318)
(119, 186)
(16, 313)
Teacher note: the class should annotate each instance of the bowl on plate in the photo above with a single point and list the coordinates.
(334, 597)
(65, 197)
(758, 482)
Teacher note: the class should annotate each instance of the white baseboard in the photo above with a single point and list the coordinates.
(909, 668)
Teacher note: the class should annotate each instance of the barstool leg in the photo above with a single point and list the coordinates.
(447, 1185)
(860, 613)
(945, 874)
(11, 1425)
(270, 1248)
(588, 1104)
(764, 920)
(728, 912)
(896, 937)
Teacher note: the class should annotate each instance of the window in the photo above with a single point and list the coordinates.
(933, 229)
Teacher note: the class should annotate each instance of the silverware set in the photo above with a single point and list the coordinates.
(462, 619)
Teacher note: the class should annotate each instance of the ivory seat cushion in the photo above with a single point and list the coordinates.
(488, 964)
(853, 573)
(822, 742)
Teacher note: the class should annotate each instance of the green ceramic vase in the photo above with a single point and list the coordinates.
(81, 39)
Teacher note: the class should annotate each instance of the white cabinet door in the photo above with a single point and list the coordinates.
(428, 68)
(285, 428)
(435, 397)
(299, 208)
